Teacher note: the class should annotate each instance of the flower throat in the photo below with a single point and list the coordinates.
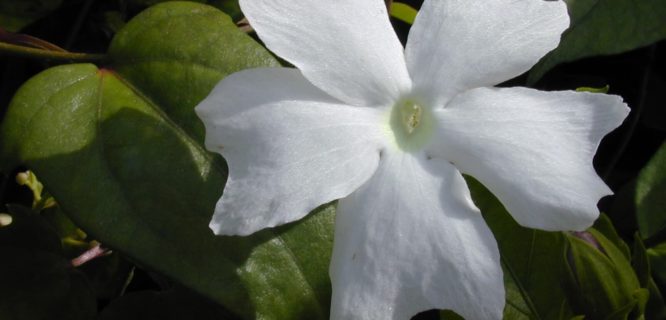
(411, 124)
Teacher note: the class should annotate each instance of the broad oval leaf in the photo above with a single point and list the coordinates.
(649, 196)
(533, 262)
(175, 52)
(120, 149)
(602, 27)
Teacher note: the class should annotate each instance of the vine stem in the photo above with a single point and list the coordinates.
(35, 53)
(91, 254)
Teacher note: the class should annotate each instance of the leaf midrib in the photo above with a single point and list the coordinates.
(521, 289)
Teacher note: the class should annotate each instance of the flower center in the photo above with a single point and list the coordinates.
(411, 124)
(411, 116)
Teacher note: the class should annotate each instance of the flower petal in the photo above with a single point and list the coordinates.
(532, 149)
(347, 48)
(456, 45)
(289, 147)
(410, 240)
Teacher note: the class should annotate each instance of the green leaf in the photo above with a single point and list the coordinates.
(649, 196)
(28, 230)
(15, 15)
(403, 12)
(656, 307)
(174, 53)
(533, 262)
(604, 225)
(602, 281)
(38, 282)
(640, 262)
(121, 150)
(449, 315)
(603, 27)
(107, 275)
(657, 256)
(229, 7)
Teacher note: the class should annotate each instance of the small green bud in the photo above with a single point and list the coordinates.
(29, 180)
(22, 178)
(603, 89)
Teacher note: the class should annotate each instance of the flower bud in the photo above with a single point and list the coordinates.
(601, 280)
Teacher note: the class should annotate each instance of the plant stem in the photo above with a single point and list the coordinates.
(34, 53)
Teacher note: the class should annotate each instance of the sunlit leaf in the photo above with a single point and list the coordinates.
(229, 7)
(121, 150)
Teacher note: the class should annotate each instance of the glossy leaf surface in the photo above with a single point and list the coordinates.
(121, 150)
(603, 27)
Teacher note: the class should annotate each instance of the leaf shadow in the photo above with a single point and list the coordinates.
(142, 189)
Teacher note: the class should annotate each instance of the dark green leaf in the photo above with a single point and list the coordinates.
(657, 256)
(640, 262)
(656, 307)
(602, 27)
(28, 230)
(120, 148)
(229, 7)
(38, 282)
(107, 275)
(601, 281)
(604, 225)
(169, 305)
(649, 196)
(15, 15)
(73, 239)
(449, 315)
(176, 52)
(533, 262)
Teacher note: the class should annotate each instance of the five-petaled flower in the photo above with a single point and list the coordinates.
(388, 131)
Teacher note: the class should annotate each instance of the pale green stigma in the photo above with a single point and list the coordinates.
(411, 116)
(411, 124)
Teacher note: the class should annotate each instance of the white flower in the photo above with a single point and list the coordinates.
(388, 131)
